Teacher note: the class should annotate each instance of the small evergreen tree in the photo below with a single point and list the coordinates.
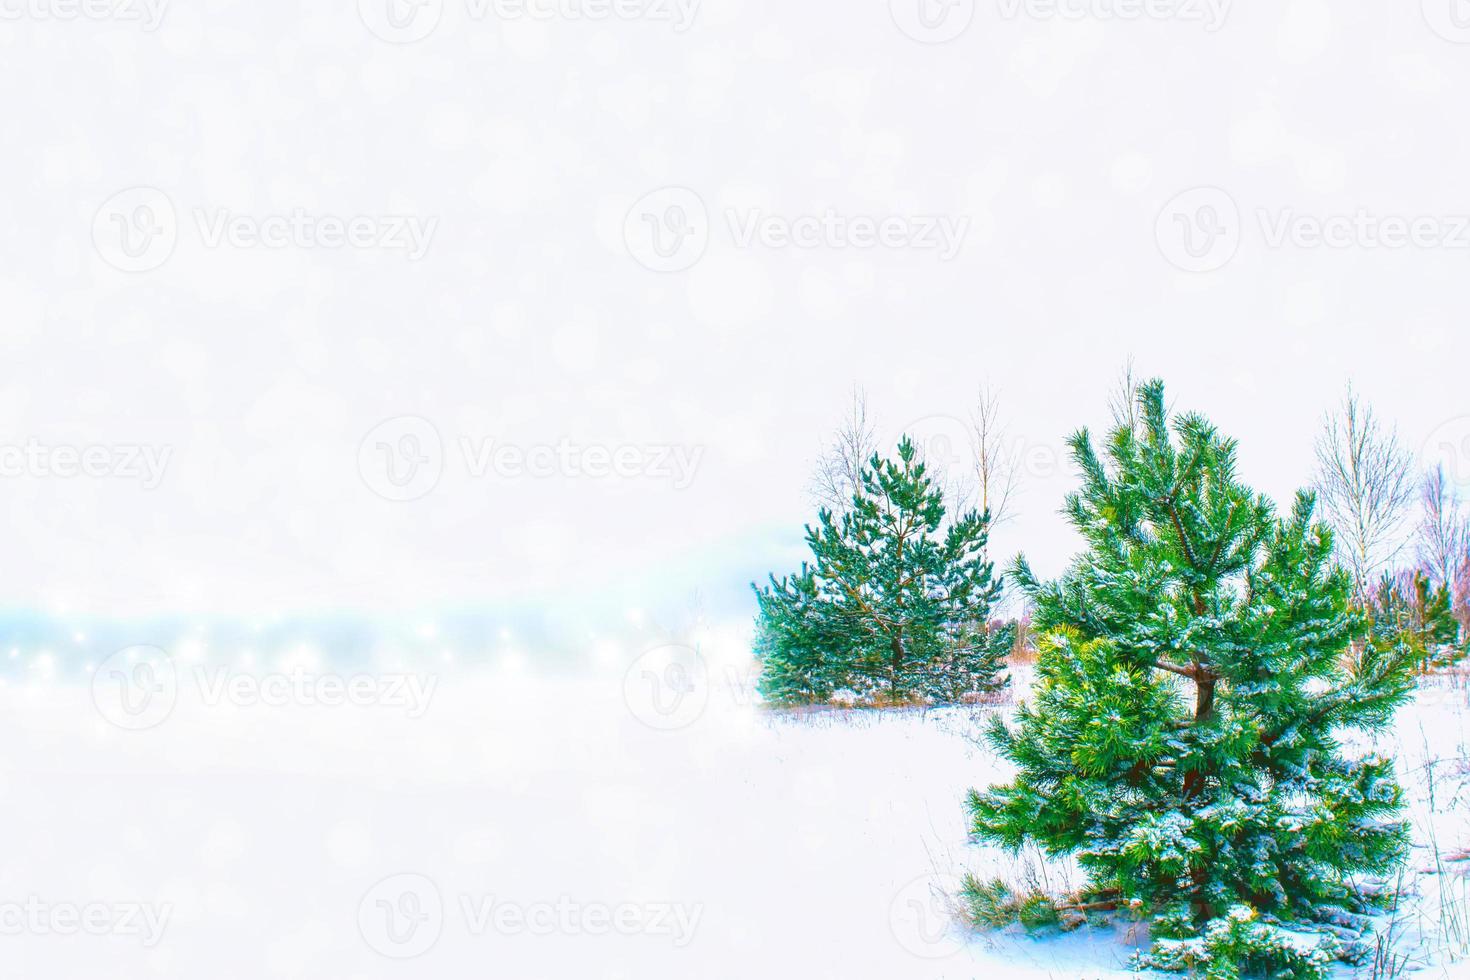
(1197, 664)
(797, 642)
(1408, 610)
(895, 600)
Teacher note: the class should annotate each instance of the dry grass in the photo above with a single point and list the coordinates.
(1455, 678)
(1426, 931)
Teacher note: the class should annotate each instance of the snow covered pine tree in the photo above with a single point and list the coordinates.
(895, 604)
(1199, 660)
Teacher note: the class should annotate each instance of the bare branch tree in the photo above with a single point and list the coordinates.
(1365, 483)
(996, 473)
(1444, 529)
(839, 467)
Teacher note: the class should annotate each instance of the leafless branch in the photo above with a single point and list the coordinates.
(1365, 483)
(996, 471)
(1123, 401)
(1444, 539)
(839, 468)
(1444, 529)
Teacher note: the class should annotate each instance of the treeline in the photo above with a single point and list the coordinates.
(1402, 532)
(899, 600)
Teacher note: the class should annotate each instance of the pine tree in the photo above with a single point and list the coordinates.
(797, 643)
(895, 600)
(1198, 662)
(1409, 610)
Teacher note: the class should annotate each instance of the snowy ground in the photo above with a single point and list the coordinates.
(508, 825)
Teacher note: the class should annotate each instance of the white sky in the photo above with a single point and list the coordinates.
(529, 322)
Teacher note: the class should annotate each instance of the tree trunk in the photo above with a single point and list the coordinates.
(895, 644)
(1204, 698)
(1204, 707)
